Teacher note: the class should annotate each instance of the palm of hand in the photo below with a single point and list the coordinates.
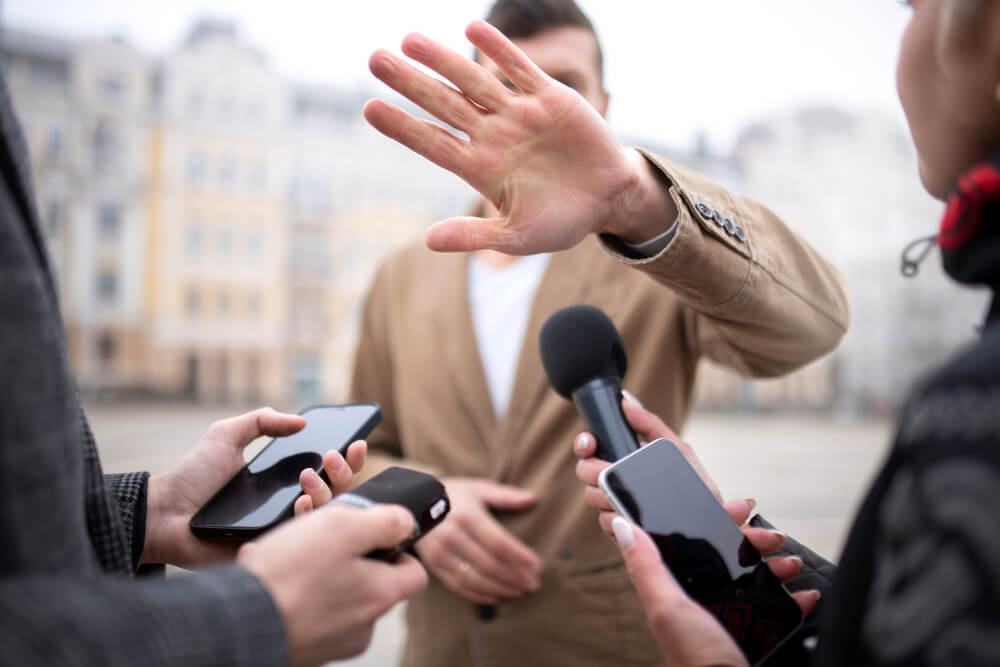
(549, 164)
(198, 476)
(539, 152)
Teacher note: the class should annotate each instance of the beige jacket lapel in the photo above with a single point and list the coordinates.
(458, 340)
(567, 280)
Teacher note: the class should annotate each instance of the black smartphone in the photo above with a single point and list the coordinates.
(263, 492)
(657, 489)
(424, 495)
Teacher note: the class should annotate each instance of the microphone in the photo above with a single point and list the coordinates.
(584, 359)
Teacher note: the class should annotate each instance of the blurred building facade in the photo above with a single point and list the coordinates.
(214, 225)
(848, 184)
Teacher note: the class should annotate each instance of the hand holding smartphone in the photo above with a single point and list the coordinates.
(658, 489)
(263, 492)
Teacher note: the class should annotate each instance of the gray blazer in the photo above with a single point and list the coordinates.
(69, 535)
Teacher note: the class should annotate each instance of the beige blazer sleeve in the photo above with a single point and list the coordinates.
(761, 300)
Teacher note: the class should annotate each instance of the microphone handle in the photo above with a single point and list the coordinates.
(599, 401)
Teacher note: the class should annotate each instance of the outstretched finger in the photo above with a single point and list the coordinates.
(421, 136)
(473, 80)
(518, 67)
(430, 94)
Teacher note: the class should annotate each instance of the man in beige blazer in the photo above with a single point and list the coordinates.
(521, 573)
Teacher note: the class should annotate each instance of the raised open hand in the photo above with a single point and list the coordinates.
(537, 150)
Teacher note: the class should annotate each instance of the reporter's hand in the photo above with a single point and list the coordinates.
(173, 497)
(329, 594)
(338, 471)
(471, 553)
(649, 427)
(687, 633)
(541, 154)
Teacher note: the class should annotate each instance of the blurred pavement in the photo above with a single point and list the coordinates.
(807, 473)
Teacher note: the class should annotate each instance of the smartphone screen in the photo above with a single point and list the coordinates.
(264, 491)
(657, 489)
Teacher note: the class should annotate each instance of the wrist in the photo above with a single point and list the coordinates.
(645, 208)
(156, 521)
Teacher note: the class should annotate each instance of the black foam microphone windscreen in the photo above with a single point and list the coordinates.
(580, 343)
(584, 359)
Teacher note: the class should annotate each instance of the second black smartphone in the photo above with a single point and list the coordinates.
(263, 492)
(657, 489)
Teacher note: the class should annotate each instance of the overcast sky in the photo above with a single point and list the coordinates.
(673, 67)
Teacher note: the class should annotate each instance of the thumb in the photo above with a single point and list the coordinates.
(656, 586)
(364, 530)
(504, 496)
(243, 429)
(466, 234)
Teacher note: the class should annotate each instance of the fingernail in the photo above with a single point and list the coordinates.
(627, 394)
(751, 502)
(337, 463)
(311, 480)
(623, 533)
(580, 444)
(783, 536)
(815, 592)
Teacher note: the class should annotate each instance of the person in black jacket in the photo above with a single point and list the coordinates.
(918, 582)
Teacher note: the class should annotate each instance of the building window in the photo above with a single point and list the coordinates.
(307, 379)
(108, 223)
(47, 73)
(192, 302)
(227, 172)
(112, 85)
(107, 286)
(257, 176)
(195, 103)
(223, 304)
(254, 245)
(253, 305)
(106, 347)
(192, 240)
(225, 240)
(195, 170)
(105, 144)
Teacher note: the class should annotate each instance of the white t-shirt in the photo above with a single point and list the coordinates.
(500, 302)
